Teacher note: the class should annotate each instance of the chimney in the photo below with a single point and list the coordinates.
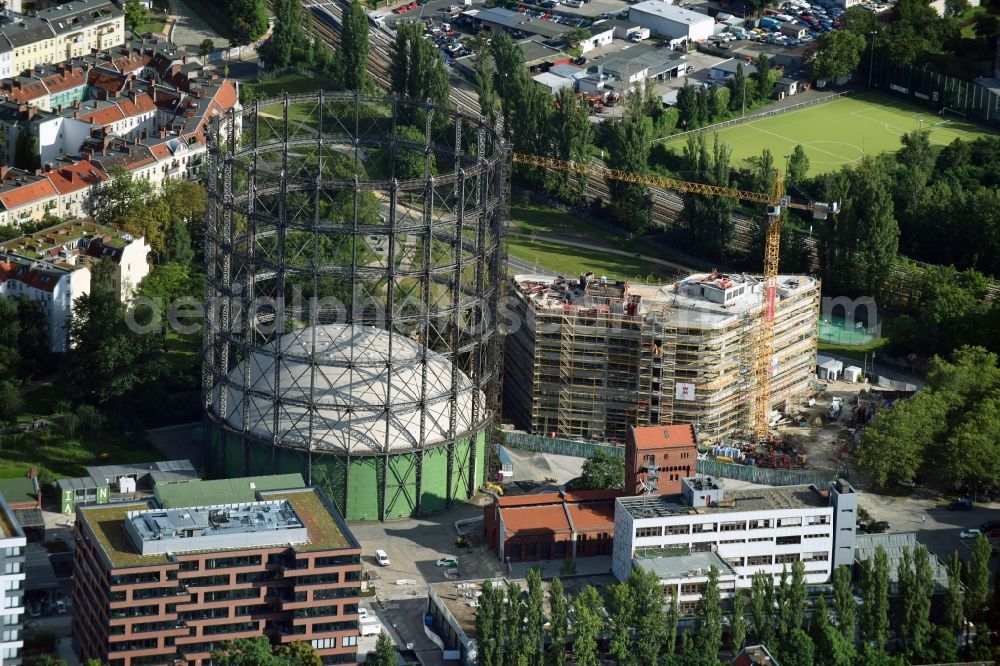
(31, 112)
(38, 172)
(76, 104)
(184, 59)
(163, 133)
(76, 114)
(105, 141)
(3, 171)
(17, 84)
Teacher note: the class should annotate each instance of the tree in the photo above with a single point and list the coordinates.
(136, 14)
(558, 624)
(673, 617)
(571, 134)
(738, 622)
(797, 649)
(513, 622)
(953, 615)
(588, 625)
(761, 608)
(535, 615)
(905, 594)
(602, 471)
(354, 46)
(763, 76)
(485, 90)
(708, 219)
(875, 591)
(489, 618)
(858, 20)
(110, 202)
(832, 649)
(923, 590)
(27, 154)
(177, 243)
(248, 19)
(844, 605)
(206, 48)
(385, 650)
(798, 165)
(871, 207)
(794, 602)
(246, 652)
(955, 7)
(622, 609)
(300, 653)
(628, 150)
(974, 439)
(838, 55)
(43, 660)
(287, 35)
(508, 59)
(649, 621)
(709, 617)
(11, 401)
(977, 580)
(416, 67)
(108, 361)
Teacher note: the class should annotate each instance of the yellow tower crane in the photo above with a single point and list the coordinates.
(776, 200)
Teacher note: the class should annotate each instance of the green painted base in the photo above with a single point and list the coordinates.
(363, 487)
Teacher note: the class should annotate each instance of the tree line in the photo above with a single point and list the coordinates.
(634, 624)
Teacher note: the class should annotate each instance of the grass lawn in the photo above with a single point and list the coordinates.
(155, 24)
(42, 401)
(183, 351)
(529, 217)
(63, 456)
(841, 132)
(290, 83)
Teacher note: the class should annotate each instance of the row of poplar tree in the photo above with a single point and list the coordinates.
(630, 623)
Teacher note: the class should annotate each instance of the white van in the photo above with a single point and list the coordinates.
(382, 558)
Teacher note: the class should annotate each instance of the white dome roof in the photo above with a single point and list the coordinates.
(362, 393)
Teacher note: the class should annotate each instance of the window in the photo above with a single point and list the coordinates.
(705, 527)
(816, 536)
(788, 540)
(349, 641)
(324, 643)
(790, 522)
(649, 532)
(732, 527)
(679, 529)
(787, 558)
(702, 547)
(758, 560)
(816, 557)
(760, 524)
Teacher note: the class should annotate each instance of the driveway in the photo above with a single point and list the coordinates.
(190, 30)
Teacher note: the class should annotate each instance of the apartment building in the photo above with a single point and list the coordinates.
(765, 529)
(12, 545)
(588, 358)
(166, 586)
(62, 32)
(52, 268)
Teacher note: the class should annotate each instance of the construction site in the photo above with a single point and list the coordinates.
(592, 357)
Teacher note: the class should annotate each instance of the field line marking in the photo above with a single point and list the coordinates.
(834, 155)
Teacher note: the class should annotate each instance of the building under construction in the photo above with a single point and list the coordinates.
(587, 358)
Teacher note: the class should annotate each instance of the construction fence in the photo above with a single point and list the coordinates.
(759, 475)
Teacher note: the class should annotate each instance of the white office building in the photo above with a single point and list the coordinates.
(12, 545)
(740, 531)
(670, 21)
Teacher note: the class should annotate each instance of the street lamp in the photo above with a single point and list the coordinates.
(871, 64)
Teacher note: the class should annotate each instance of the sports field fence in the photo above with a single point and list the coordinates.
(933, 90)
(757, 116)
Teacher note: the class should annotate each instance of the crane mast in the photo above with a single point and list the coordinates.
(776, 201)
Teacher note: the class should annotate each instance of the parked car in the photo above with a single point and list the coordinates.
(447, 561)
(907, 483)
(990, 525)
(969, 534)
(877, 527)
(961, 504)
(61, 607)
(362, 613)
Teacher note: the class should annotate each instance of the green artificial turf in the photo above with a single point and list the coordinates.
(840, 132)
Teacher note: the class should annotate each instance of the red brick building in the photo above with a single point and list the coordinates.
(672, 450)
(166, 586)
(551, 526)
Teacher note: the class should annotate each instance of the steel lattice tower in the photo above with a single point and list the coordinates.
(354, 261)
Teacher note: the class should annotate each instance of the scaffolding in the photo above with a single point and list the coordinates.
(593, 358)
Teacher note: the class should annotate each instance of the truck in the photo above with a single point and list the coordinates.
(835, 408)
(370, 626)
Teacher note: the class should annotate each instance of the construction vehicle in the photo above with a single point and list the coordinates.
(491, 487)
(776, 201)
(834, 410)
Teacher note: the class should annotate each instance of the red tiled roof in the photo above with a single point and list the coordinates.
(546, 519)
(595, 516)
(32, 278)
(26, 194)
(73, 177)
(529, 500)
(657, 437)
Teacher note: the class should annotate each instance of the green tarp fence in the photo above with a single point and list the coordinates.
(761, 475)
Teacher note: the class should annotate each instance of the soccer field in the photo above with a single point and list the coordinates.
(840, 132)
